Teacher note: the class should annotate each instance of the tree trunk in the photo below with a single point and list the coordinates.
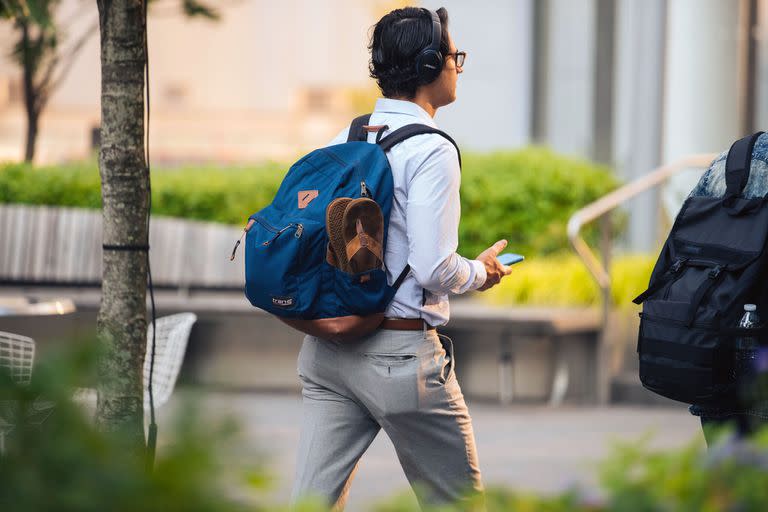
(29, 145)
(30, 93)
(122, 319)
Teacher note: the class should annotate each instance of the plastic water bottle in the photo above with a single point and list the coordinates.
(746, 354)
(749, 320)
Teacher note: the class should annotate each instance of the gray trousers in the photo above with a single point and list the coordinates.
(401, 381)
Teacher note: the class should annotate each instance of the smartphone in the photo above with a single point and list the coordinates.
(509, 258)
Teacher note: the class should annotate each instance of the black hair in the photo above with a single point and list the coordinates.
(397, 40)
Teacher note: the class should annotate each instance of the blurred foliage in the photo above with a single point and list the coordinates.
(731, 476)
(562, 280)
(525, 196)
(33, 10)
(194, 8)
(56, 460)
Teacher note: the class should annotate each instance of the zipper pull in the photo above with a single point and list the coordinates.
(299, 231)
(364, 190)
(237, 244)
(278, 234)
(677, 265)
(715, 272)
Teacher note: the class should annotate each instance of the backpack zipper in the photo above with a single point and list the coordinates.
(363, 188)
(278, 232)
(265, 224)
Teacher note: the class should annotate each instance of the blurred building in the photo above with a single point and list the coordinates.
(268, 80)
(631, 83)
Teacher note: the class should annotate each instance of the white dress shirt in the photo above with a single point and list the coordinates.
(424, 221)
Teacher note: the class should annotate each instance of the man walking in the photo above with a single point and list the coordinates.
(401, 378)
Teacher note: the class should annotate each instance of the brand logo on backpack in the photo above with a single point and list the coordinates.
(306, 197)
(283, 302)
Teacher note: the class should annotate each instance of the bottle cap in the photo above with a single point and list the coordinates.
(749, 307)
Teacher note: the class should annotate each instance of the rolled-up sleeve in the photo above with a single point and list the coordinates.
(432, 221)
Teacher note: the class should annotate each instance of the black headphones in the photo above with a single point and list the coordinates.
(429, 63)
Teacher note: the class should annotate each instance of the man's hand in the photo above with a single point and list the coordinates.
(493, 268)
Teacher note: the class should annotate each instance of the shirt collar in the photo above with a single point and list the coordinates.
(409, 108)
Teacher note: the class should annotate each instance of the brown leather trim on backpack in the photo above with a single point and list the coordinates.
(340, 329)
(373, 128)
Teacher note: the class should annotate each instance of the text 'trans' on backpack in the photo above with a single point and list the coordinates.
(713, 262)
(314, 256)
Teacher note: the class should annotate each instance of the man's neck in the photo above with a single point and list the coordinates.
(422, 101)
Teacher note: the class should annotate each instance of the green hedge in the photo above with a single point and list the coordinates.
(227, 195)
(525, 196)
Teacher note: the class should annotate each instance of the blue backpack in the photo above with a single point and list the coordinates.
(287, 272)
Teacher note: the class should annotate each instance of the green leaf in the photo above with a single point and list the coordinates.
(35, 11)
(194, 8)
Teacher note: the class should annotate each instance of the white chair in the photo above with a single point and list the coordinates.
(17, 356)
(171, 345)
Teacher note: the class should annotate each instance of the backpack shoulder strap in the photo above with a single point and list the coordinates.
(737, 165)
(356, 132)
(411, 130)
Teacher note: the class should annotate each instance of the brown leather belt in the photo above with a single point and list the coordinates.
(405, 324)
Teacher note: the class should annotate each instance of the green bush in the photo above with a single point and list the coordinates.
(525, 196)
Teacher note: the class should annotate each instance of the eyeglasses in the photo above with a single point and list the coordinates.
(460, 57)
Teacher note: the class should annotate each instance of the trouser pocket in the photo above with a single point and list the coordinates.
(449, 366)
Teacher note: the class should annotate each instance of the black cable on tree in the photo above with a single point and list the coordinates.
(152, 435)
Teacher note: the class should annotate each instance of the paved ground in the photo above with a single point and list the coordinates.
(533, 448)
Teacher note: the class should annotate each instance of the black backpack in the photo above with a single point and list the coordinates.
(713, 262)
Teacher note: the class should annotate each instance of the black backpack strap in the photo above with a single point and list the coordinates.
(356, 132)
(401, 277)
(411, 130)
(737, 165)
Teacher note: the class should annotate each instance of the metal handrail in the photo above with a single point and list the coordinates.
(599, 270)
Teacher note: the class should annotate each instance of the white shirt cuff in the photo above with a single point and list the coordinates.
(480, 274)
